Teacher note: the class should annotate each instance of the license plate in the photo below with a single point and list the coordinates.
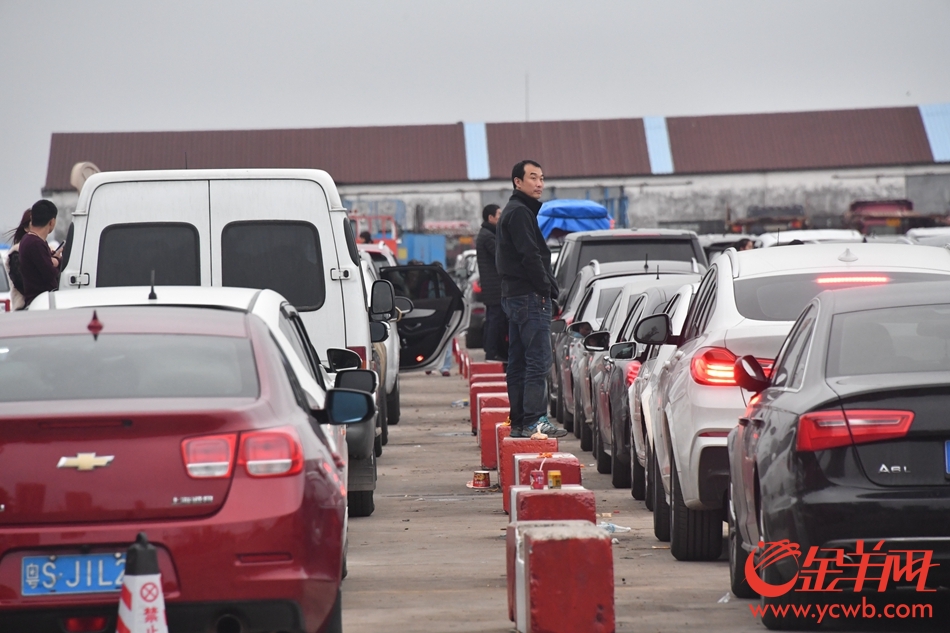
(72, 573)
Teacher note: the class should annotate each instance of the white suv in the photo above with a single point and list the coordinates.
(745, 304)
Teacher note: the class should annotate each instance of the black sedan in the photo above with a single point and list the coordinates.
(841, 464)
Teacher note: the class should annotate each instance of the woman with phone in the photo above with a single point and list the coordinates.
(39, 265)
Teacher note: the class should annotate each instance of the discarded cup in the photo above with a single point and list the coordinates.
(481, 479)
(538, 480)
(613, 527)
(554, 479)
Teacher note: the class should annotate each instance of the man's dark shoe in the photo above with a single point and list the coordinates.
(518, 433)
(543, 426)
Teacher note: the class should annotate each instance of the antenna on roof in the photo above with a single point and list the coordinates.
(646, 263)
(152, 296)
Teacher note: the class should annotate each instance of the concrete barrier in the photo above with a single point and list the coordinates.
(514, 566)
(501, 432)
(489, 418)
(495, 400)
(482, 387)
(556, 504)
(493, 377)
(464, 362)
(489, 367)
(507, 449)
(567, 463)
(568, 579)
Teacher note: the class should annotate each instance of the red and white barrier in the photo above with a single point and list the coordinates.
(568, 579)
(482, 387)
(567, 463)
(501, 432)
(485, 367)
(488, 419)
(507, 449)
(141, 601)
(574, 503)
(495, 400)
(514, 561)
(493, 377)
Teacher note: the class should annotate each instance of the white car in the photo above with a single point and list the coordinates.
(745, 305)
(644, 400)
(290, 334)
(388, 352)
(808, 236)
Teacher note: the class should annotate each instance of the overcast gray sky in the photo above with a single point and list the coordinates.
(98, 65)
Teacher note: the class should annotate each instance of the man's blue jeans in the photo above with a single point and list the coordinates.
(529, 357)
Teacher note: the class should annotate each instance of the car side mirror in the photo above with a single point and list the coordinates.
(653, 330)
(348, 406)
(358, 379)
(404, 304)
(382, 305)
(558, 326)
(623, 351)
(580, 329)
(340, 359)
(597, 342)
(750, 375)
(378, 331)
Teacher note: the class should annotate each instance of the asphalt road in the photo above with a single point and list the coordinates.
(432, 556)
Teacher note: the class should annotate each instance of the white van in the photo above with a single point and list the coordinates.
(281, 229)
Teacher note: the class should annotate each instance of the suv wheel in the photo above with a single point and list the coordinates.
(619, 471)
(694, 534)
(661, 509)
(360, 503)
(392, 405)
(648, 499)
(603, 459)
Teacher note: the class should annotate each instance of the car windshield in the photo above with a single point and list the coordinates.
(890, 341)
(620, 250)
(783, 297)
(79, 367)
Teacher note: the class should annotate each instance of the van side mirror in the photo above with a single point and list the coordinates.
(750, 375)
(654, 330)
(597, 342)
(347, 406)
(382, 306)
(558, 326)
(357, 379)
(378, 331)
(340, 359)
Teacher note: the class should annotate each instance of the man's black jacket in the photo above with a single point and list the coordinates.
(523, 259)
(488, 275)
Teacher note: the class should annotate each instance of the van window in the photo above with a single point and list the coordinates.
(128, 253)
(282, 256)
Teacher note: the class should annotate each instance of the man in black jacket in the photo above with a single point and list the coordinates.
(527, 291)
(496, 323)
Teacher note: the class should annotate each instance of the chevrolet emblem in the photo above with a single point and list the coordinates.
(85, 461)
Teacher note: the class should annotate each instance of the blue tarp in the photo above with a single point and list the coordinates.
(572, 215)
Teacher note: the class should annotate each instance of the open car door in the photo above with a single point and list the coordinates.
(439, 312)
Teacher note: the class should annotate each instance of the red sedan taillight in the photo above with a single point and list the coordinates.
(633, 370)
(821, 430)
(715, 366)
(209, 457)
(476, 287)
(271, 453)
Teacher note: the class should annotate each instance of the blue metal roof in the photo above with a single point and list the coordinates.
(658, 144)
(936, 119)
(476, 151)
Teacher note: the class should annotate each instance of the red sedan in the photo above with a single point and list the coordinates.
(185, 424)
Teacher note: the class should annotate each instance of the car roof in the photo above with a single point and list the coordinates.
(808, 235)
(242, 299)
(126, 320)
(708, 239)
(886, 296)
(583, 236)
(636, 266)
(858, 257)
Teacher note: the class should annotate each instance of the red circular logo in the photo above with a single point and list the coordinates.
(767, 554)
(149, 592)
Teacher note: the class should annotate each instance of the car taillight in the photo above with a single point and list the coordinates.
(359, 349)
(716, 366)
(633, 369)
(208, 457)
(821, 430)
(85, 624)
(476, 287)
(271, 453)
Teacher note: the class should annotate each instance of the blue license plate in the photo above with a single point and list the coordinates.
(72, 573)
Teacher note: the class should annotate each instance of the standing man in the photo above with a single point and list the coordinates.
(527, 291)
(496, 323)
